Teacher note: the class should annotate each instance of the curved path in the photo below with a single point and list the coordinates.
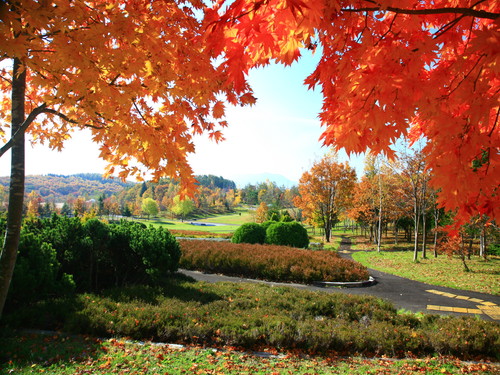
(406, 294)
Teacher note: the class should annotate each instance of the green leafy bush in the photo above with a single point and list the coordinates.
(37, 273)
(251, 233)
(59, 254)
(494, 249)
(287, 234)
(267, 223)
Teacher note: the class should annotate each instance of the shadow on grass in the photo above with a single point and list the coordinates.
(54, 314)
(22, 349)
(174, 286)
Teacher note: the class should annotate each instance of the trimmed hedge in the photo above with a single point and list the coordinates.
(270, 262)
(287, 234)
(290, 233)
(249, 233)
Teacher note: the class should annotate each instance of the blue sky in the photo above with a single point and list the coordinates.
(279, 135)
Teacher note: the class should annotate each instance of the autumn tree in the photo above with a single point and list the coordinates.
(182, 206)
(325, 191)
(388, 69)
(34, 204)
(149, 207)
(136, 74)
(414, 175)
(261, 213)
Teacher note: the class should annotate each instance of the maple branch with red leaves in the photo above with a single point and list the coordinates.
(452, 10)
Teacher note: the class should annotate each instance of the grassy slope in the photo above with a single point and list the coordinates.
(445, 271)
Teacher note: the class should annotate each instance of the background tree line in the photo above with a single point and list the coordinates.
(84, 193)
(391, 195)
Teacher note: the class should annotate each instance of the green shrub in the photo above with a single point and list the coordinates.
(37, 273)
(266, 224)
(494, 249)
(285, 217)
(249, 233)
(142, 254)
(273, 215)
(59, 254)
(287, 234)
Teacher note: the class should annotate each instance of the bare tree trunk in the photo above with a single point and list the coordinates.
(482, 243)
(424, 237)
(415, 237)
(462, 255)
(16, 192)
(436, 222)
(379, 238)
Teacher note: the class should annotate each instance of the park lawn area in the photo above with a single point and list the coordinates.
(238, 218)
(185, 225)
(443, 270)
(61, 354)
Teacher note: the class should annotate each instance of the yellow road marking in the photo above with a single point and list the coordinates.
(492, 311)
(485, 307)
(454, 309)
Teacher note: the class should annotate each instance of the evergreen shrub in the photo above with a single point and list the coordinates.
(287, 234)
(251, 233)
(59, 255)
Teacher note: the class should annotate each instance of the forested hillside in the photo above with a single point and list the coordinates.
(58, 188)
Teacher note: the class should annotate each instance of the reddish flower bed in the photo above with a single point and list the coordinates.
(269, 262)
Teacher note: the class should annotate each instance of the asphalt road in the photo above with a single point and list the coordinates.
(404, 293)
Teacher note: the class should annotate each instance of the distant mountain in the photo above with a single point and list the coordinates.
(253, 179)
(59, 187)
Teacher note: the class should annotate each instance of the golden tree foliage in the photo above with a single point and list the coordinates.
(135, 73)
(325, 192)
(389, 68)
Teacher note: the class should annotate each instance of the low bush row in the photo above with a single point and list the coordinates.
(273, 233)
(270, 262)
(256, 316)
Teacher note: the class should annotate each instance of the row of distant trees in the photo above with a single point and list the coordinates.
(215, 194)
(391, 193)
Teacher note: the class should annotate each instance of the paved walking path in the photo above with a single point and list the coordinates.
(406, 294)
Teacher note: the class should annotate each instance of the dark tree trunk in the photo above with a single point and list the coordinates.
(16, 192)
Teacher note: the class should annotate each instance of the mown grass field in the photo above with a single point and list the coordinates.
(68, 355)
(173, 225)
(443, 270)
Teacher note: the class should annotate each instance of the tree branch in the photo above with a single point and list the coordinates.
(67, 119)
(29, 120)
(463, 11)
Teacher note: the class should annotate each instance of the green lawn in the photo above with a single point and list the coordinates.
(231, 221)
(444, 271)
(185, 225)
(61, 355)
(238, 218)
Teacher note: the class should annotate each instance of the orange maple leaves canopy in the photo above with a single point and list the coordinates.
(136, 73)
(389, 68)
